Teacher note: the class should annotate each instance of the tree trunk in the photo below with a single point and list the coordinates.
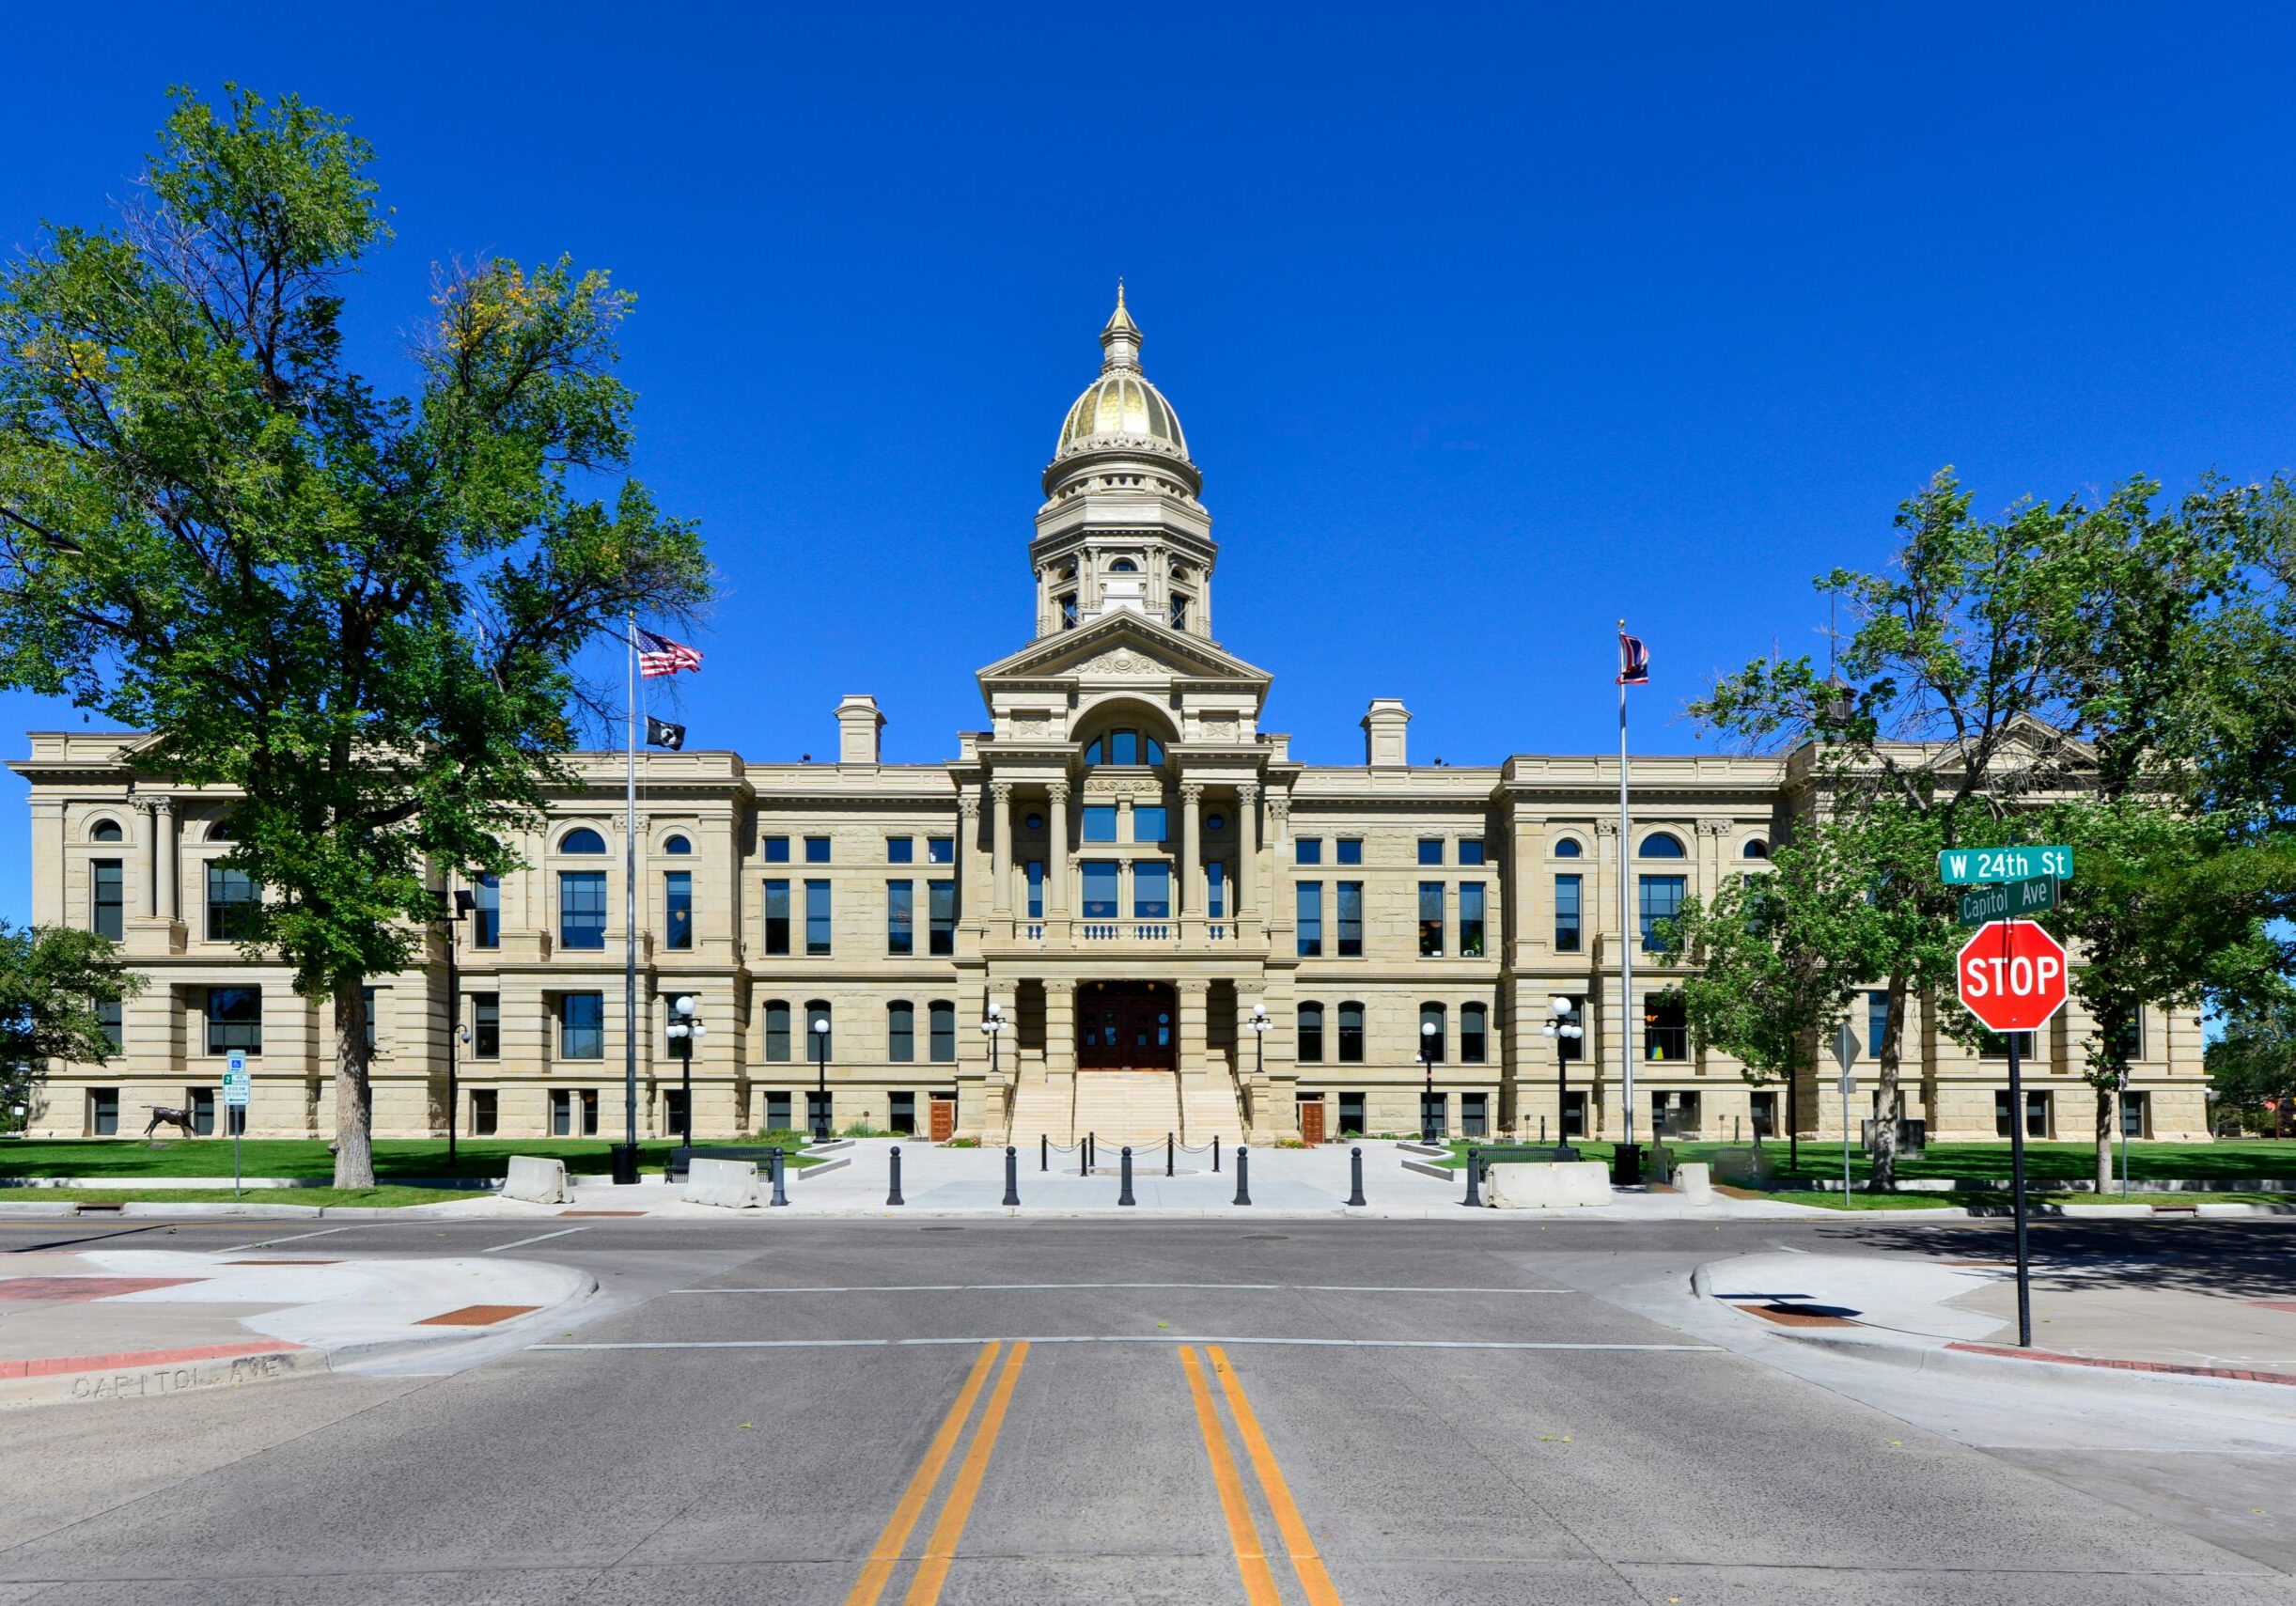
(1885, 1126)
(2108, 1106)
(355, 1098)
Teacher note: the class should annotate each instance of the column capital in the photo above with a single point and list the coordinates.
(162, 804)
(1001, 791)
(1193, 987)
(968, 805)
(1248, 791)
(1192, 792)
(1058, 790)
(1604, 826)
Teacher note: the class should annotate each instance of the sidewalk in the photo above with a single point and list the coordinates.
(119, 1324)
(2102, 1317)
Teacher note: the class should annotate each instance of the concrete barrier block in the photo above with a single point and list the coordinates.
(538, 1182)
(1544, 1187)
(730, 1183)
(1694, 1181)
(1750, 1165)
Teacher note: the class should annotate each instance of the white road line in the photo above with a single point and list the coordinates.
(538, 1238)
(274, 1243)
(1135, 1338)
(1037, 1287)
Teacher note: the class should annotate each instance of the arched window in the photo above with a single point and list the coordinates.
(777, 1029)
(1430, 1043)
(1350, 1034)
(1658, 845)
(1311, 1034)
(221, 832)
(1123, 747)
(582, 839)
(901, 1030)
(677, 845)
(1473, 1024)
(1124, 565)
(1757, 848)
(940, 1017)
(1568, 847)
(817, 1021)
(105, 831)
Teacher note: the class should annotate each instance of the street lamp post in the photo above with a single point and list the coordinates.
(1260, 1024)
(821, 1102)
(1559, 1012)
(1427, 1097)
(993, 1027)
(684, 1032)
(462, 903)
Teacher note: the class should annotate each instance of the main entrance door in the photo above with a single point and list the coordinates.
(1127, 1025)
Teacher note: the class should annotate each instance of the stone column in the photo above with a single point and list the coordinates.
(1060, 1027)
(1247, 850)
(1056, 861)
(1195, 1057)
(1000, 825)
(168, 850)
(1191, 846)
(150, 902)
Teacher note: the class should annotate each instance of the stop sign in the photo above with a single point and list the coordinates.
(2012, 975)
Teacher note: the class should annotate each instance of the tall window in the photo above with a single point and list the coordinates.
(1215, 888)
(1100, 877)
(901, 1030)
(368, 993)
(777, 1030)
(1151, 890)
(1151, 822)
(1350, 1034)
(942, 1015)
(1100, 822)
(777, 917)
(234, 1019)
(1474, 1021)
(678, 909)
(1662, 900)
(1311, 1034)
(1876, 1021)
(1570, 1049)
(1566, 915)
(1431, 1043)
(1179, 610)
(1665, 1027)
(941, 913)
(1470, 920)
(107, 896)
(111, 1020)
(1431, 920)
(817, 918)
(817, 1042)
(1351, 913)
(231, 905)
(1034, 871)
(486, 1025)
(582, 908)
(1310, 906)
(582, 1025)
(486, 918)
(900, 917)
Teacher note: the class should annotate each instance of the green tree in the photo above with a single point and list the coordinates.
(363, 609)
(52, 980)
(2253, 1064)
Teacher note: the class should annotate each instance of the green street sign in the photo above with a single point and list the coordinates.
(1972, 867)
(2008, 900)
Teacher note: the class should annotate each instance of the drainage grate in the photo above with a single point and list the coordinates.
(477, 1316)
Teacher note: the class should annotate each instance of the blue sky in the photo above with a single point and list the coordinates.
(1487, 325)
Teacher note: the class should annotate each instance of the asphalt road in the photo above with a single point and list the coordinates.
(1015, 1411)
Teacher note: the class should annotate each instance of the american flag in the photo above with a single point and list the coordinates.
(659, 655)
(1634, 661)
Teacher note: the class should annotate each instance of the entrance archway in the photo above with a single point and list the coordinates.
(1127, 1025)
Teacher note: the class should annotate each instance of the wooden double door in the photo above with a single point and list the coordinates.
(1127, 1025)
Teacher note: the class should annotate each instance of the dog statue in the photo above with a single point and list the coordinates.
(162, 1116)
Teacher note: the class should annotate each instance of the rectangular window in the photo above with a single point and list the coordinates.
(904, 1114)
(1311, 1034)
(235, 1020)
(1351, 915)
(1570, 1049)
(1100, 822)
(582, 1025)
(1215, 888)
(1151, 890)
(368, 994)
(1763, 1111)
(2133, 1036)
(107, 895)
(483, 1119)
(777, 850)
(486, 1025)
(1351, 1114)
(109, 1018)
(1566, 915)
(777, 917)
(2001, 1113)
(941, 910)
(1310, 906)
(1034, 871)
(1876, 1021)
(103, 1111)
(1992, 1045)
(1151, 825)
(1665, 1028)
(940, 849)
(1349, 850)
(901, 850)
(587, 1097)
(1431, 920)
(777, 1031)
(942, 1020)
(900, 917)
(1473, 1034)
(1662, 900)
(1471, 849)
(485, 916)
(1351, 1044)
(817, 849)
(678, 910)
(817, 918)
(1430, 849)
(1430, 1041)
(1100, 877)
(2037, 1115)
(561, 1112)
(1307, 851)
(777, 1113)
(901, 1032)
(2133, 1115)
(1470, 920)
(1473, 1115)
(582, 908)
(231, 905)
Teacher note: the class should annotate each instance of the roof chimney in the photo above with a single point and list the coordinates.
(1384, 740)
(858, 727)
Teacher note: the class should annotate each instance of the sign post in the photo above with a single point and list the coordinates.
(1845, 1056)
(2012, 977)
(235, 1107)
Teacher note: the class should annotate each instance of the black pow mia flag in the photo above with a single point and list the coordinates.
(660, 733)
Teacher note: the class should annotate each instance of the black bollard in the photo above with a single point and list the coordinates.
(1125, 1161)
(1170, 1155)
(1475, 1180)
(1045, 1151)
(1243, 1178)
(773, 1164)
(893, 1195)
(1012, 1174)
(1216, 1154)
(1355, 1167)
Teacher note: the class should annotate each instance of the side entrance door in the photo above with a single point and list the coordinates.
(1311, 1121)
(943, 1117)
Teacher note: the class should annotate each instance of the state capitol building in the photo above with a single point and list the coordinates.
(1180, 927)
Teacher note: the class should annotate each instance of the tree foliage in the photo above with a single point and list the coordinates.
(362, 608)
(52, 980)
(2253, 1064)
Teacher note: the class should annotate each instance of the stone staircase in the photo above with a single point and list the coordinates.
(1137, 1107)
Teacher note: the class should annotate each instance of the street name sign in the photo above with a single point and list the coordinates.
(2012, 975)
(2008, 900)
(1968, 866)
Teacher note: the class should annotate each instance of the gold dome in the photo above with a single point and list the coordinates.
(1121, 404)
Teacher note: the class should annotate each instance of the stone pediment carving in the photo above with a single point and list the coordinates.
(1122, 660)
(1123, 646)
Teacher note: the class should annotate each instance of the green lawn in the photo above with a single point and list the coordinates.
(2243, 1158)
(394, 1161)
(381, 1197)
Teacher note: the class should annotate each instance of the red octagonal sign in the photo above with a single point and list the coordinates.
(2012, 975)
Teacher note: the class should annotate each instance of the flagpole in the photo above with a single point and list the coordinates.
(1627, 933)
(627, 1171)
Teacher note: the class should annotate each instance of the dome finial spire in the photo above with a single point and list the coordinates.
(1119, 338)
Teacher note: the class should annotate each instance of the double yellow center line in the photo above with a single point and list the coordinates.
(1243, 1528)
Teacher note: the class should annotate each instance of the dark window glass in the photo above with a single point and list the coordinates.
(1662, 900)
(1153, 748)
(235, 1020)
(1350, 849)
(1430, 849)
(1350, 916)
(901, 1032)
(1474, 1108)
(1150, 823)
(1658, 845)
(107, 831)
(1876, 1021)
(1215, 888)
(1470, 920)
(1151, 890)
(1566, 915)
(904, 1112)
(1307, 851)
(940, 909)
(582, 1025)
(1100, 875)
(1068, 622)
(817, 918)
(1567, 848)
(1351, 1111)
(1665, 1028)
(818, 1046)
(1093, 751)
(1100, 822)
(1473, 1022)
(678, 909)
(108, 894)
(1311, 1034)
(901, 850)
(111, 1019)
(486, 1025)
(2037, 1115)
(483, 1117)
(1309, 895)
(777, 850)
(900, 917)
(940, 849)
(232, 910)
(103, 1111)
(1471, 849)
(582, 839)
(1034, 871)
(561, 1113)
(942, 1016)
(1570, 1049)
(368, 994)
(202, 1102)
(777, 917)
(1431, 920)
(1757, 849)
(675, 845)
(777, 1030)
(777, 1112)
(1124, 747)
(1431, 1043)
(1992, 1045)
(817, 849)
(485, 916)
(582, 908)
(1351, 1037)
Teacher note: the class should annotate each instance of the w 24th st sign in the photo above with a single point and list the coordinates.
(2012, 975)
